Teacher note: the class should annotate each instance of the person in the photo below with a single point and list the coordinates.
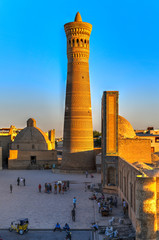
(124, 207)
(50, 187)
(111, 200)
(74, 202)
(55, 188)
(18, 180)
(92, 175)
(86, 173)
(93, 197)
(59, 187)
(73, 214)
(11, 188)
(63, 188)
(115, 202)
(39, 187)
(103, 197)
(68, 235)
(57, 227)
(99, 206)
(45, 187)
(24, 181)
(66, 227)
(68, 185)
(95, 226)
(110, 208)
(21, 180)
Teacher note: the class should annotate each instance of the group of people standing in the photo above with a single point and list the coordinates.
(58, 186)
(19, 180)
(61, 187)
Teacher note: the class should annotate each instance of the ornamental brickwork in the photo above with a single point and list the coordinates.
(78, 130)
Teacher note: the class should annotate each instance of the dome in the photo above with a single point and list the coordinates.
(125, 130)
(30, 134)
(31, 137)
(31, 122)
(78, 17)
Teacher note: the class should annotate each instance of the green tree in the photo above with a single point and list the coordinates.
(96, 134)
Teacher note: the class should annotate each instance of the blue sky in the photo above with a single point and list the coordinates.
(124, 56)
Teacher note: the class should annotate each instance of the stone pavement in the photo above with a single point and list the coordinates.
(45, 210)
(41, 235)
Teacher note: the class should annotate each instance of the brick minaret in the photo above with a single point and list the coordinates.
(78, 131)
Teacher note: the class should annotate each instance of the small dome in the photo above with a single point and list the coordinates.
(31, 122)
(125, 130)
(78, 17)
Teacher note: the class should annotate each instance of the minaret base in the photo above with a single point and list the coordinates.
(78, 161)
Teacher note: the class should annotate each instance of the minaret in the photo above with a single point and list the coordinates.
(78, 130)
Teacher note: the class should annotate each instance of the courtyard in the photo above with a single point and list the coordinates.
(44, 210)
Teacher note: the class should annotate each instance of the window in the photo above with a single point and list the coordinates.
(157, 139)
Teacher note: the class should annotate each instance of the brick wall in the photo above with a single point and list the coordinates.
(135, 150)
(23, 160)
(79, 160)
(4, 143)
(127, 186)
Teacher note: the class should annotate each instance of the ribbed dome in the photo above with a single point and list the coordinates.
(78, 17)
(125, 130)
(31, 134)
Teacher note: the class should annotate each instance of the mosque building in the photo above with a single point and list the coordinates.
(128, 170)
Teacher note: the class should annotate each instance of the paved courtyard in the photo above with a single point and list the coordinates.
(42, 209)
(49, 235)
(45, 210)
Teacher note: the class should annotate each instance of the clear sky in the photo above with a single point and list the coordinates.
(124, 56)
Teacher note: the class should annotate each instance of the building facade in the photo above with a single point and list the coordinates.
(31, 149)
(128, 171)
(153, 135)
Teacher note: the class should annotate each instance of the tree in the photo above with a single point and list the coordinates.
(96, 134)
